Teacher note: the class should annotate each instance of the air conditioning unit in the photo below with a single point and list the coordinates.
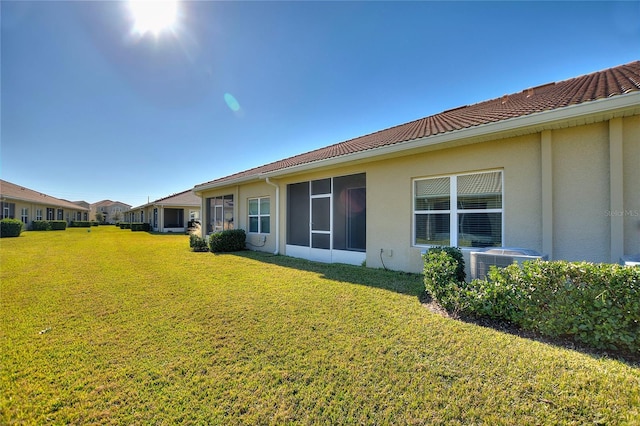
(482, 260)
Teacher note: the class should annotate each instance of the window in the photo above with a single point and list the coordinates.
(50, 213)
(8, 210)
(470, 205)
(60, 214)
(220, 213)
(328, 213)
(260, 215)
(38, 214)
(24, 215)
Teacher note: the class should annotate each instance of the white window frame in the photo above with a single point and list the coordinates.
(453, 211)
(259, 216)
(38, 214)
(24, 215)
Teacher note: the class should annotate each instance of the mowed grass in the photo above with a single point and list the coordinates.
(116, 327)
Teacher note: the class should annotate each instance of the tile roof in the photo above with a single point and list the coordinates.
(184, 198)
(598, 85)
(17, 192)
(108, 203)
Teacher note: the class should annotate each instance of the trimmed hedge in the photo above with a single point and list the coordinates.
(227, 241)
(40, 225)
(58, 225)
(596, 304)
(125, 225)
(10, 228)
(444, 276)
(140, 226)
(198, 243)
(80, 224)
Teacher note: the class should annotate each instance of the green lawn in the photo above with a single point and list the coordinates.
(120, 327)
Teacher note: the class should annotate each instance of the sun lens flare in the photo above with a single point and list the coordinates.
(153, 16)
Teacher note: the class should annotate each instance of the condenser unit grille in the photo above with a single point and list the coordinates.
(482, 261)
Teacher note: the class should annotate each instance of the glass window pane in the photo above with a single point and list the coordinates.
(432, 194)
(322, 186)
(265, 205)
(480, 229)
(253, 206)
(480, 191)
(264, 224)
(433, 229)
(253, 224)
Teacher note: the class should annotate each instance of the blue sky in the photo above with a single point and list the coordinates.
(91, 111)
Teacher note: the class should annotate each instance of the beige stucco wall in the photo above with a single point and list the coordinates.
(631, 176)
(69, 213)
(241, 195)
(576, 195)
(390, 184)
(581, 193)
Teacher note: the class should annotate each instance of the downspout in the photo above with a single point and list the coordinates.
(277, 250)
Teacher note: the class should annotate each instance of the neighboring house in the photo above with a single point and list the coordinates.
(27, 205)
(554, 168)
(112, 211)
(174, 213)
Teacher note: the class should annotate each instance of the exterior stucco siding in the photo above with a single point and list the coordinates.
(390, 184)
(631, 176)
(581, 193)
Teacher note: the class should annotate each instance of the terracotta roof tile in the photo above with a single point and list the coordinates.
(599, 85)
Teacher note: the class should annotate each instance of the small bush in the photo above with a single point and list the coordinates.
(444, 276)
(10, 228)
(125, 225)
(140, 226)
(95, 223)
(58, 225)
(198, 243)
(228, 241)
(40, 225)
(80, 224)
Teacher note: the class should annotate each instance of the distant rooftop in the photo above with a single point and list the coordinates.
(17, 192)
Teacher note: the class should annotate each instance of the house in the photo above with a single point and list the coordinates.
(27, 205)
(111, 211)
(553, 168)
(174, 213)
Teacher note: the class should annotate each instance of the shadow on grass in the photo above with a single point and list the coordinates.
(399, 282)
(626, 357)
(413, 285)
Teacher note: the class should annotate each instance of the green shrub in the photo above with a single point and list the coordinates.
(444, 276)
(125, 225)
(58, 225)
(95, 223)
(80, 224)
(140, 226)
(198, 243)
(227, 241)
(596, 304)
(10, 228)
(40, 225)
